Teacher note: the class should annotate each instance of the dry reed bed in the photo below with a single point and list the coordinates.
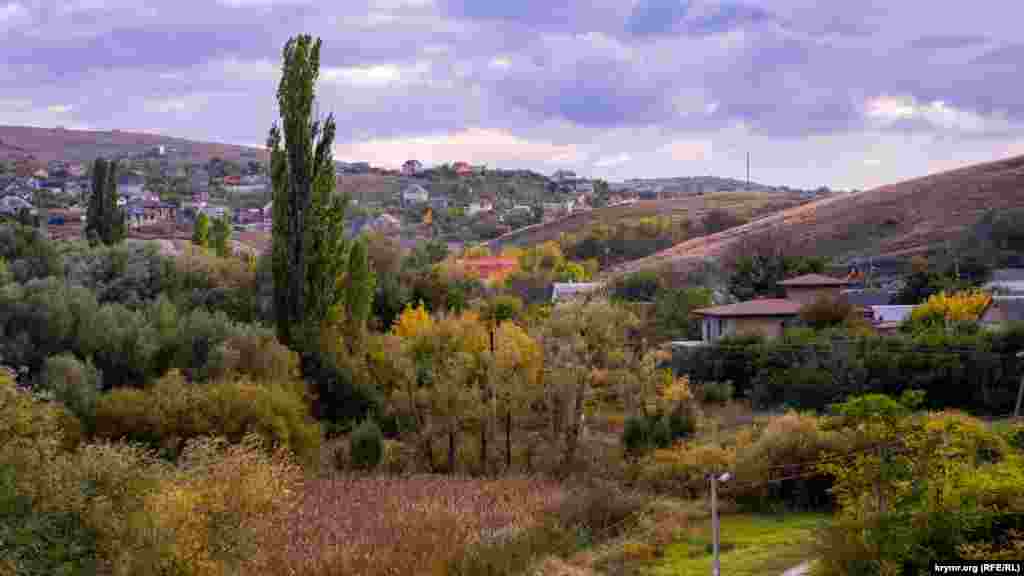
(404, 526)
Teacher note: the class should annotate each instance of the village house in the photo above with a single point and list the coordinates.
(478, 206)
(768, 317)
(462, 169)
(808, 288)
(490, 268)
(412, 167)
(439, 202)
(1006, 281)
(1002, 310)
(563, 176)
(561, 291)
(415, 194)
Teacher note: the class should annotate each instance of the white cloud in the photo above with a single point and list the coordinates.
(887, 110)
(59, 108)
(500, 63)
(189, 103)
(11, 11)
(474, 145)
(376, 75)
(609, 161)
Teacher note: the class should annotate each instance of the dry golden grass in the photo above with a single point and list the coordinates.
(403, 526)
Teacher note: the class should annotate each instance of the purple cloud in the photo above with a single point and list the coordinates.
(572, 73)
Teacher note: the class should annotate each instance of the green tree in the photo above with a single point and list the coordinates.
(360, 287)
(759, 273)
(308, 218)
(105, 221)
(201, 231)
(220, 236)
(672, 312)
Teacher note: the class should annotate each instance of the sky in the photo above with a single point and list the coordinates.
(820, 93)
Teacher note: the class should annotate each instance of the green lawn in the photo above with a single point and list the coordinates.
(751, 545)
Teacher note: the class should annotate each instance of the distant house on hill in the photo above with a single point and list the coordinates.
(479, 206)
(1006, 281)
(415, 194)
(1002, 310)
(561, 291)
(462, 169)
(563, 175)
(490, 268)
(412, 167)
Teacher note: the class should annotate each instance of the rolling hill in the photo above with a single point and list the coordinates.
(900, 218)
(746, 204)
(46, 144)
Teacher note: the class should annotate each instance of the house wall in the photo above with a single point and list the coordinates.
(807, 295)
(715, 328)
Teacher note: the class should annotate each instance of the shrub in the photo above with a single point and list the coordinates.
(37, 543)
(599, 508)
(717, 392)
(636, 434)
(75, 384)
(682, 422)
(826, 312)
(172, 412)
(661, 432)
(783, 447)
(367, 445)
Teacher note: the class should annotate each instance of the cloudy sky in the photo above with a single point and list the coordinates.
(848, 94)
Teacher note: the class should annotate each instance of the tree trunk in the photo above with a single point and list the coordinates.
(483, 445)
(451, 451)
(573, 431)
(508, 440)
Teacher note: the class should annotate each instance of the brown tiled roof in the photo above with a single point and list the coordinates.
(815, 280)
(764, 307)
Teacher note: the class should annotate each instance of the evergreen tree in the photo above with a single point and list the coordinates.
(308, 252)
(201, 231)
(220, 236)
(362, 283)
(105, 221)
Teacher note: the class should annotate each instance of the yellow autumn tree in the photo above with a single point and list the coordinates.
(945, 309)
(413, 322)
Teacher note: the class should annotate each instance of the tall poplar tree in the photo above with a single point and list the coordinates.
(362, 283)
(105, 221)
(309, 249)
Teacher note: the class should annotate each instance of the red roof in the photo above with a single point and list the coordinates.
(490, 265)
(815, 280)
(764, 307)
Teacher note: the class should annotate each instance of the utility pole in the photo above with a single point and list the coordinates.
(748, 171)
(1020, 391)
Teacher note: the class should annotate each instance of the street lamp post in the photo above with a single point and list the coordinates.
(715, 479)
(1020, 391)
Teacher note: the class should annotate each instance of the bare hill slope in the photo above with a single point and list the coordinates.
(46, 144)
(894, 219)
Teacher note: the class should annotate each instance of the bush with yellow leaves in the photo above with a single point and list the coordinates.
(945, 309)
(172, 412)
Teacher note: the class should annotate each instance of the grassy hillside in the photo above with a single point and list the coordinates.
(894, 219)
(743, 204)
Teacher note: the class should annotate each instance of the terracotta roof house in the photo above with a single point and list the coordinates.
(463, 168)
(1002, 310)
(489, 268)
(809, 287)
(766, 317)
